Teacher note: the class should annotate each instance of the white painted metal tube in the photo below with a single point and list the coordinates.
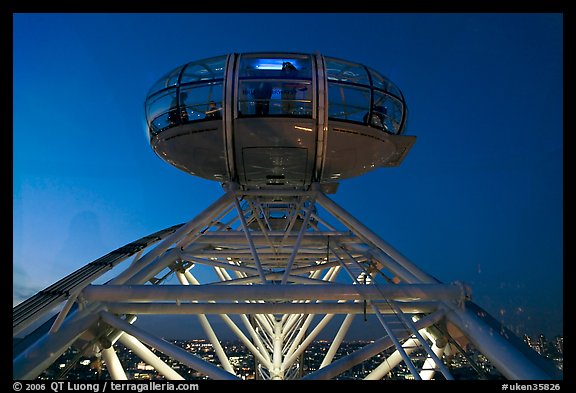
(173, 351)
(115, 335)
(300, 335)
(501, 353)
(390, 264)
(256, 338)
(264, 324)
(410, 324)
(292, 318)
(145, 293)
(36, 358)
(296, 247)
(160, 263)
(249, 239)
(251, 347)
(271, 276)
(113, 364)
(345, 363)
(429, 367)
(149, 357)
(391, 361)
(279, 192)
(292, 357)
(339, 338)
(63, 313)
(399, 347)
(203, 261)
(237, 239)
(277, 371)
(224, 361)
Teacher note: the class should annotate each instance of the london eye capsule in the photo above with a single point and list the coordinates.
(277, 120)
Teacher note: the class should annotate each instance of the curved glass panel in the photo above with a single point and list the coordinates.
(158, 105)
(170, 79)
(202, 102)
(381, 82)
(275, 66)
(386, 113)
(204, 70)
(275, 97)
(275, 85)
(348, 102)
(343, 71)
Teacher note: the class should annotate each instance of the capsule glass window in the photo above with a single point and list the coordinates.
(202, 101)
(387, 112)
(204, 70)
(168, 80)
(344, 71)
(349, 103)
(158, 105)
(278, 66)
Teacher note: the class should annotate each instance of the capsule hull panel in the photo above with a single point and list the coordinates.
(353, 150)
(195, 148)
(275, 152)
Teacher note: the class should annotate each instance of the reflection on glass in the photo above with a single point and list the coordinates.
(348, 102)
(168, 80)
(343, 71)
(275, 84)
(204, 70)
(275, 98)
(197, 103)
(263, 66)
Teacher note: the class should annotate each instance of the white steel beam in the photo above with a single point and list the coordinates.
(342, 330)
(249, 239)
(224, 361)
(399, 347)
(260, 354)
(149, 357)
(293, 354)
(113, 364)
(36, 358)
(171, 350)
(392, 361)
(501, 353)
(203, 261)
(429, 366)
(410, 325)
(145, 293)
(296, 247)
(345, 363)
(278, 368)
(63, 313)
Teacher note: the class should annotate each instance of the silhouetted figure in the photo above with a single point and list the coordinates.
(379, 114)
(289, 89)
(213, 111)
(178, 112)
(262, 95)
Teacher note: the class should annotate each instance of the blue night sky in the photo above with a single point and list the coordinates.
(478, 199)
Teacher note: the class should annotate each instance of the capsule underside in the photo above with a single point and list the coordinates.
(277, 120)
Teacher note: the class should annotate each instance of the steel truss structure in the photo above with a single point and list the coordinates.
(276, 267)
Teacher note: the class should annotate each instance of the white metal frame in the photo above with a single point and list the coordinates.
(284, 263)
